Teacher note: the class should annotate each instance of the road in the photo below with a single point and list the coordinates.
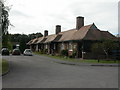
(41, 72)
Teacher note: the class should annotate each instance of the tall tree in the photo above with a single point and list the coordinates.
(106, 47)
(4, 23)
(35, 35)
(5, 20)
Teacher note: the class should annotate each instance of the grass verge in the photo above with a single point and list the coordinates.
(78, 60)
(4, 66)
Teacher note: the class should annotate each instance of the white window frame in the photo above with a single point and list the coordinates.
(46, 46)
(54, 46)
(62, 46)
(70, 46)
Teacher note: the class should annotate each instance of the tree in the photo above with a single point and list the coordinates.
(20, 39)
(35, 35)
(6, 41)
(105, 47)
(23, 40)
(108, 46)
(4, 23)
(5, 20)
(97, 49)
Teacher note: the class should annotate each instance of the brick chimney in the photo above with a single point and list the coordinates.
(58, 29)
(79, 22)
(45, 33)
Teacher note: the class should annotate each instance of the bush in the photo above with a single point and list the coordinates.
(73, 55)
(41, 52)
(97, 48)
(64, 52)
(45, 51)
(104, 48)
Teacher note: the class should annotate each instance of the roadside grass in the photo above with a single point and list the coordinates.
(4, 66)
(79, 60)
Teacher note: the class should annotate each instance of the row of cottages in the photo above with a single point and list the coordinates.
(77, 40)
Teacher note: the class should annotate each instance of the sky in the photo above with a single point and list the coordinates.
(32, 16)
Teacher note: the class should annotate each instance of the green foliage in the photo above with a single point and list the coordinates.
(45, 51)
(5, 20)
(35, 35)
(74, 54)
(23, 39)
(0, 45)
(5, 66)
(80, 61)
(109, 46)
(6, 41)
(64, 52)
(41, 52)
(9, 46)
(97, 48)
(105, 47)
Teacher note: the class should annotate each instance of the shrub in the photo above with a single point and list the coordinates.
(41, 52)
(64, 52)
(104, 48)
(73, 55)
(45, 51)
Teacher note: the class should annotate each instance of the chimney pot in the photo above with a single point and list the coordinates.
(79, 22)
(58, 29)
(46, 33)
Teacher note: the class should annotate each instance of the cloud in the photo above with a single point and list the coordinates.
(17, 13)
(104, 14)
(34, 16)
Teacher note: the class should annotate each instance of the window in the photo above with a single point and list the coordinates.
(70, 46)
(46, 47)
(62, 46)
(74, 47)
(54, 46)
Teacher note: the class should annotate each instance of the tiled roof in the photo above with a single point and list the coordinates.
(88, 32)
(57, 38)
(34, 41)
(40, 39)
(81, 33)
(108, 35)
(50, 38)
(44, 39)
(67, 35)
(29, 42)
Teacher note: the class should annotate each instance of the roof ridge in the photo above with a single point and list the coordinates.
(87, 30)
(68, 30)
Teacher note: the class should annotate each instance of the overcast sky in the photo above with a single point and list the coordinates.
(32, 16)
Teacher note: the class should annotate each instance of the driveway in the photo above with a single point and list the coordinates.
(42, 72)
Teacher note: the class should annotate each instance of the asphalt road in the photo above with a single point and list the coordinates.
(42, 72)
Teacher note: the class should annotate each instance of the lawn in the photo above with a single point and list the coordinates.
(4, 66)
(78, 60)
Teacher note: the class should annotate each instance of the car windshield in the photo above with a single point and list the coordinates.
(16, 50)
(28, 51)
(4, 49)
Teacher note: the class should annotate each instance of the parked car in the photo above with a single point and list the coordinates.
(28, 52)
(5, 51)
(16, 52)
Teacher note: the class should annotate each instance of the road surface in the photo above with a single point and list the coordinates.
(41, 72)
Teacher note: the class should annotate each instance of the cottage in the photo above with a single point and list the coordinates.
(78, 40)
